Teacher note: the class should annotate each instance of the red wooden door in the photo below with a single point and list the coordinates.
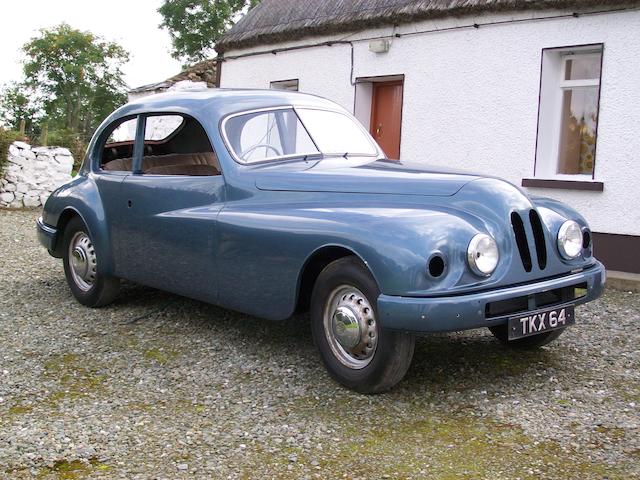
(386, 116)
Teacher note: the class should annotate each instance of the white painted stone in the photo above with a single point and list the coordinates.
(17, 160)
(38, 150)
(64, 159)
(32, 174)
(22, 145)
(7, 197)
(59, 151)
(31, 202)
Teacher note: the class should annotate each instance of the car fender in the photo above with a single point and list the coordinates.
(81, 197)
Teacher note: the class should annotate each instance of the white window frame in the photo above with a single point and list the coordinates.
(552, 88)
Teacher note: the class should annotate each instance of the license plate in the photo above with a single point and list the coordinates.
(540, 321)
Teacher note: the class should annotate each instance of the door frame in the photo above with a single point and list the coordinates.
(373, 82)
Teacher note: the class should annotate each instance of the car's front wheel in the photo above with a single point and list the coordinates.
(81, 267)
(357, 352)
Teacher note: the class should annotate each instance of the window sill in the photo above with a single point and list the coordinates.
(563, 184)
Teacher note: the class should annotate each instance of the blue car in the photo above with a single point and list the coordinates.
(270, 202)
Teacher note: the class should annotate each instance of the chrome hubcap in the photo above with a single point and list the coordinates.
(350, 327)
(83, 261)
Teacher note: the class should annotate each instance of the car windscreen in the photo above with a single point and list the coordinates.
(287, 132)
(335, 133)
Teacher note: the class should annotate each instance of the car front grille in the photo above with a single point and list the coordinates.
(550, 298)
(520, 232)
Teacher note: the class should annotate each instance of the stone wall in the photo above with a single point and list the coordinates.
(32, 173)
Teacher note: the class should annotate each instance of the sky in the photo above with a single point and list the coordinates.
(131, 23)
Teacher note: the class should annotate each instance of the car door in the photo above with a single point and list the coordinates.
(171, 202)
(113, 164)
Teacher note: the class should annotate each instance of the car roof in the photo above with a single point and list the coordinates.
(223, 101)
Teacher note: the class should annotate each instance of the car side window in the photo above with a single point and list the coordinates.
(177, 145)
(117, 151)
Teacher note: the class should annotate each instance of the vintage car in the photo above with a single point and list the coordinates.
(271, 202)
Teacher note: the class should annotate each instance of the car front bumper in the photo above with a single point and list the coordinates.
(473, 310)
(46, 235)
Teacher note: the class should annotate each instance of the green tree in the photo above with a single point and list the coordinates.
(77, 75)
(196, 25)
(19, 103)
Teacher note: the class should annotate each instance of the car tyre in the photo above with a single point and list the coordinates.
(356, 351)
(526, 343)
(80, 261)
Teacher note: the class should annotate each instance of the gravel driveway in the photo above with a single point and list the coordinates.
(159, 386)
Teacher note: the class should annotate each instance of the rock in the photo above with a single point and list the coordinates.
(7, 197)
(31, 174)
(28, 154)
(31, 202)
(182, 467)
(17, 160)
(86, 452)
(60, 151)
(65, 160)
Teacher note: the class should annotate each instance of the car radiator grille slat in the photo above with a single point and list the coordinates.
(522, 242)
(538, 237)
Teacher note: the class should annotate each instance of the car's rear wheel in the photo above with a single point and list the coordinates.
(356, 351)
(534, 341)
(81, 267)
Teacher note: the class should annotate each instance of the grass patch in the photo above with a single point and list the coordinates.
(75, 469)
(20, 409)
(159, 355)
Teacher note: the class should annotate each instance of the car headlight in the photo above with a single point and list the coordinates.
(570, 240)
(483, 255)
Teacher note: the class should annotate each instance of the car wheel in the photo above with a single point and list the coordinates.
(532, 342)
(356, 351)
(81, 267)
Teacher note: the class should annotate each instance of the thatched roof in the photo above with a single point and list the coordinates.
(204, 71)
(274, 21)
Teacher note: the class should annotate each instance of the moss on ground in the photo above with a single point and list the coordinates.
(429, 444)
(71, 470)
(159, 355)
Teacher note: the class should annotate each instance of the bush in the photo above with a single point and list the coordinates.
(71, 140)
(7, 137)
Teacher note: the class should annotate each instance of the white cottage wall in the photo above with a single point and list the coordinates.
(471, 95)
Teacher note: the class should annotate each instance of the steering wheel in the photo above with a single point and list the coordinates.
(261, 145)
